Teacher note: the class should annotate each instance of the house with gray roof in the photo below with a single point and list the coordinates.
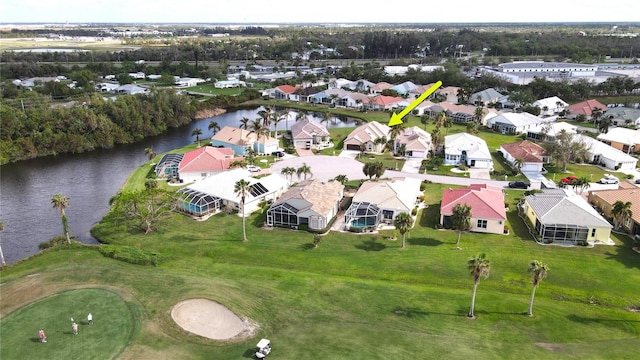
(624, 116)
(547, 214)
(312, 203)
(307, 133)
(487, 96)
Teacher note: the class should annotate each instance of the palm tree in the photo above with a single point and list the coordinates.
(288, 172)
(61, 203)
(603, 125)
(596, 113)
(448, 123)
(436, 139)
(213, 127)
(620, 211)
(461, 219)
(479, 267)
(342, 179)
(197, 132)
(583, 183)
(2, 262)
(150, 153)
(244, 123)
(478, 114)
(518, 163)
(242, 189)
(539, 271)
(403, 223)
(303, 169)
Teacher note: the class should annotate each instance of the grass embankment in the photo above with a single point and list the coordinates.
(355, 296)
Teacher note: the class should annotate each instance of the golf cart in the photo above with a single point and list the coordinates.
(264, 348)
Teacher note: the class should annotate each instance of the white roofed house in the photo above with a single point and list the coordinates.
(623, 139)
(379, 202)
(363, 138)
(219, 191)
(413, 142)
(130, 89)
(313, 203)
(308, 133)
(466, 149)
(550, 106)
(607, 156)
(549, 130)
(514, 123)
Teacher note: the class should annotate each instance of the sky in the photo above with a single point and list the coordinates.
(323, 11)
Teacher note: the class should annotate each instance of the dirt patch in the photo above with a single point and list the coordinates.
(550, 347)
(208, 113)
(209, 319)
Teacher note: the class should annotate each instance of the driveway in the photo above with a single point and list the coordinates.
(304, 152)
(412, 165)
(324, 167)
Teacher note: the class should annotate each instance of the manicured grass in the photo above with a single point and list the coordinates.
(105, 339)
(387, 159)
(210, 89)
(358, 296)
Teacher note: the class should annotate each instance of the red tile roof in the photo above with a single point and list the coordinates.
(486, 201)
(207, 158)
(585, 107)
(287, 89)
(527, 150)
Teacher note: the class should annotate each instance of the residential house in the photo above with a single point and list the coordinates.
(624, 116)
(137, 75)
(306, 94)
(188, 82)
(404, 88)
(623, 139)
(487, 96)
(130, 89)
(309, 134)
(365, 137)
(241, 141)
(285, 92)
(313, 203)
(413, 142)
(424, 108)
(533, 156)
(167, 167)
(548, 131)
(488, 214)
(379, 87)
(607, 156)
(215, 192)
(466, 149)
(461, 113)
(379, 202)
(230, 83)
(106, 87)
(383, 102)
(515, 123)
(584, 108)
(203, 162)
(547, 213)
(550, 106)
(449, 94)
(604, 200)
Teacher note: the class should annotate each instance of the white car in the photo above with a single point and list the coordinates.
(609, 179)
(253, 168)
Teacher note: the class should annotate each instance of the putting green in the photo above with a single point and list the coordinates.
(104, 339)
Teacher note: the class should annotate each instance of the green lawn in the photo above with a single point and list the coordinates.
(104, 339)
(353, 291)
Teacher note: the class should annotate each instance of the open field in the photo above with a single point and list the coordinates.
(355, 296)
(42, 43)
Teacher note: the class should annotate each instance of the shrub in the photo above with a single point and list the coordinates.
(131, 254)
(53, 242)
(462, 167)
(414, 212)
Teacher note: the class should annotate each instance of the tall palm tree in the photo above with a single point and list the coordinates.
(461, 219)
(303, 169)
(539, 271)
(403, 223)
(213, 127)
(620, 211)
(197, 132)
(518, 163)
(478, 114)
(288, 171)
(150, 153)
(242, 188)
(436, 139)
(60, 202)
(479, 267)
(448, 123)
(2, 262)
(244, 123)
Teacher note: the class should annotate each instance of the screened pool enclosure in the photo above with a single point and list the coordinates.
(362, 215)
(167, 167)
(197, 203)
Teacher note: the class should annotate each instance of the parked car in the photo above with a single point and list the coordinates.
(569, 179)
(519, 185)
(278, 153)
(609, 179)
(637, 181)
(253, 168)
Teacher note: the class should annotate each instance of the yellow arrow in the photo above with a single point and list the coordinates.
(397, 118)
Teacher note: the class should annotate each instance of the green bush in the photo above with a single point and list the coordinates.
(53, 242)
(131, 254)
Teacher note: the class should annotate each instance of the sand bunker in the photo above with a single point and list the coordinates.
(209, 319)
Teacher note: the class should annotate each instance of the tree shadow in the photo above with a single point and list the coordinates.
(625, 254)
(305, 247)
(371, 245)
(35, 339)
(430, 216)
(425, 242)
(249, 354)
(414, 312)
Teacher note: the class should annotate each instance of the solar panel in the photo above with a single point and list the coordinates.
(258, 189)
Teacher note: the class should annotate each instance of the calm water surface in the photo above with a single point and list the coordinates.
(89, 180)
